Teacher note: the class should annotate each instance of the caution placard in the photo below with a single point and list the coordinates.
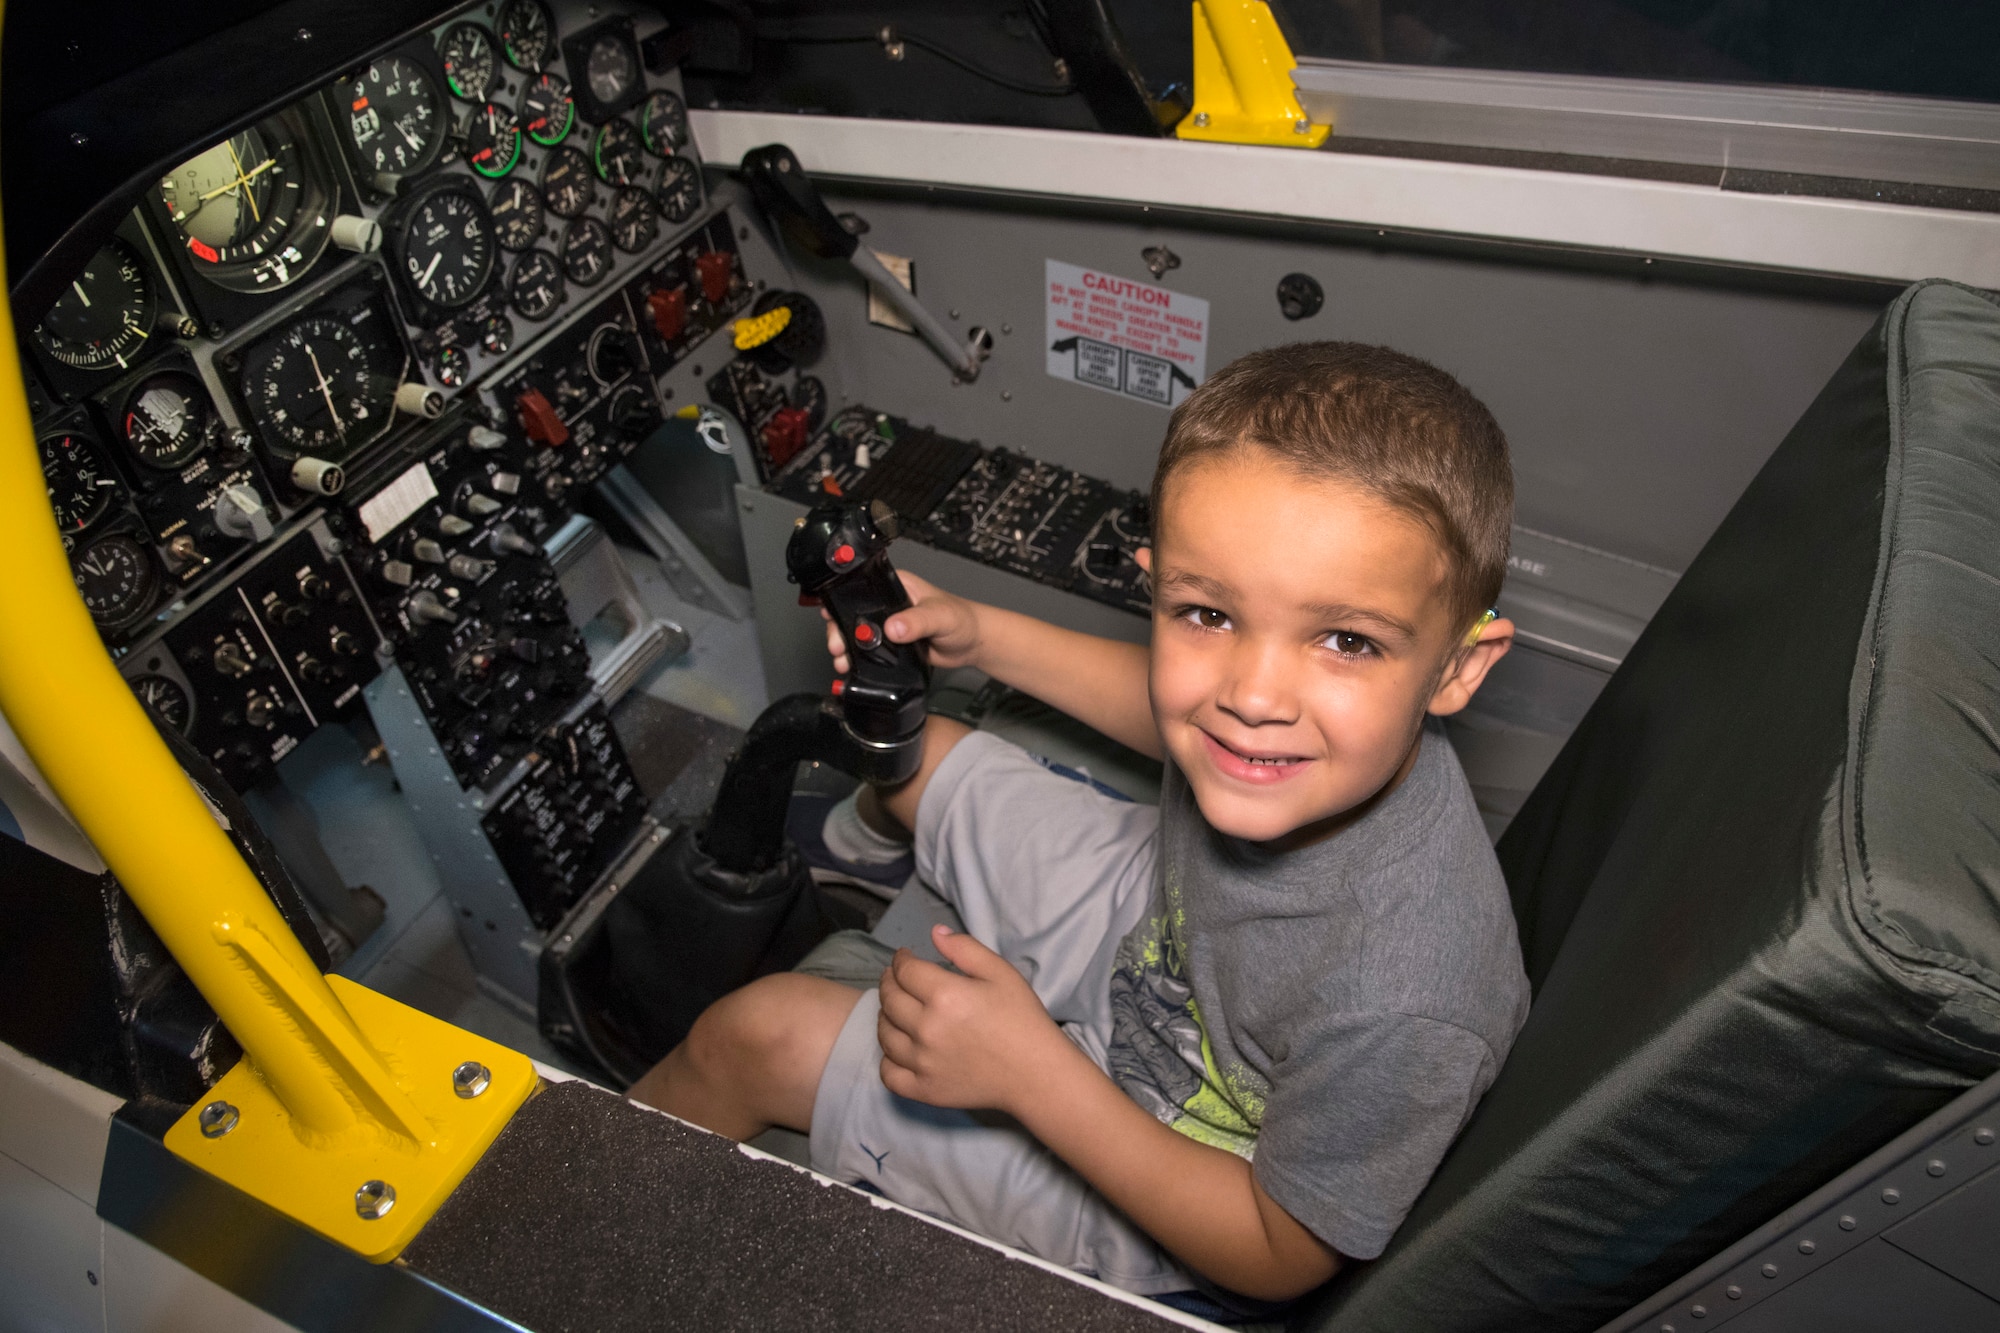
(1124, 337)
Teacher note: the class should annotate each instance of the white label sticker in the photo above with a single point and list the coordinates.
(879, 309)
(1124, 337)
(397, 501)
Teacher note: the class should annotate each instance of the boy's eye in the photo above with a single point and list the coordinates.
(1348, 644)
(1207, 617)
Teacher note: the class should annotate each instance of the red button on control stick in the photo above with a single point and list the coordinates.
(716, 268)
(539, 418)
(843, 554)
(838, 685)
(670, 312)
(864, 633)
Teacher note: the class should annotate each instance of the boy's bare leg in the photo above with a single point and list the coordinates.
(754, 1057)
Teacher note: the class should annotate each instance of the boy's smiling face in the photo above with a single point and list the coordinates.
(1301, 632)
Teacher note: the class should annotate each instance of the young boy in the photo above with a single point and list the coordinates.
(1229, 1038)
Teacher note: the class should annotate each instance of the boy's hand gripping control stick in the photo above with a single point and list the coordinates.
(839, 556)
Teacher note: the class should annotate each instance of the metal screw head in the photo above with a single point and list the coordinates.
(1699, 1312)
(1807, 1247)
(1983, 1137)
(1302, 127)
(1201, 120)
(1935, 1166)
(1769, 1270)
(470, 1079)
(1733, 1292)
(374, 1199)
(79, 138)
(305, 34)
(1892, 1196)
(1847, 1222)
(217, 1119)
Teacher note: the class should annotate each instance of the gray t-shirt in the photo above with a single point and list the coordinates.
(1333, 1013)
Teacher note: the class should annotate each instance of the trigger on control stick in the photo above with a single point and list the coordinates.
(839, 553)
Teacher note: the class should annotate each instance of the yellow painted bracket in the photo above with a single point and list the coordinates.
(350, 1113)
(1243, 89)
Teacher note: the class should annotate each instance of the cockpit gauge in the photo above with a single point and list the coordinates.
(452, 366)
(316, 388)
(117, 579)
(168, 419)
(469, 61)
(80, 486)
(516, 207)
(619, 156)
(445, 245)
(547, 110)
(611, 68)
(635, 220)
(679, 192)
(169, 702)
(526, 35)
(492, 140)
(586, 251)
(251, 210)
(663, 124)
(496, 335)
(567, 186)
(394, 116)
(105, 315)
(536, 286)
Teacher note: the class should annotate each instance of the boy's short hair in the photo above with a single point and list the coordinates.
(1393, 425)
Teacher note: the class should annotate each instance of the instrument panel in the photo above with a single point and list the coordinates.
(298, 300)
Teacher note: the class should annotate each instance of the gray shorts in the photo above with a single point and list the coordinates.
(1050, 875)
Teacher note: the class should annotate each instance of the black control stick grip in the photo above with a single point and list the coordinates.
(782, 190)
(839, 553)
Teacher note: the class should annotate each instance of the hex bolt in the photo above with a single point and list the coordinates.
(470, 1079)
(1201, 120)
(1302, 127)
(217, 1119)
(374, 1199)
(1935, 1166)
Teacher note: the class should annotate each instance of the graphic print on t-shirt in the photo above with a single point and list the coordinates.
(1160, 1053)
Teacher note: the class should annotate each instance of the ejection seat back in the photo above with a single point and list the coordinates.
(1757, 890)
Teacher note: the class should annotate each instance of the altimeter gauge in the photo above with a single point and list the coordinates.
(393, 115)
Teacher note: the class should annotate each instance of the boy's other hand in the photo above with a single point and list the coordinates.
(972, 1042)
(950, 623)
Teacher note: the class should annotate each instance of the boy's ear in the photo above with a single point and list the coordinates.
(1143, 557)
(1466, 669)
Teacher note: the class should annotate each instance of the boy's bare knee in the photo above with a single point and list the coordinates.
(940, 734)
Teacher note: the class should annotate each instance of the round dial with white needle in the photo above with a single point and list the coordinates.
(526, 35)
(679, 190)
(567, 187)
(116, 578)
(164, 695)
(470, 64)
(447, 247)
(104, 316)
(80, 486)
(492, 140)
(395, 115)
(516, 207)
(314, 389)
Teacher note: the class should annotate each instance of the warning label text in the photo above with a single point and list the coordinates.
(1125, 337)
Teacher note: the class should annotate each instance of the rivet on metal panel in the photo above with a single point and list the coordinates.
(1807, 1247)
(1847, 1222)
(1769, 1270)
(1983, 1137)
(1733, 1292)
(1935, 1166)
(1699, 1312)
(1892, 1197)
